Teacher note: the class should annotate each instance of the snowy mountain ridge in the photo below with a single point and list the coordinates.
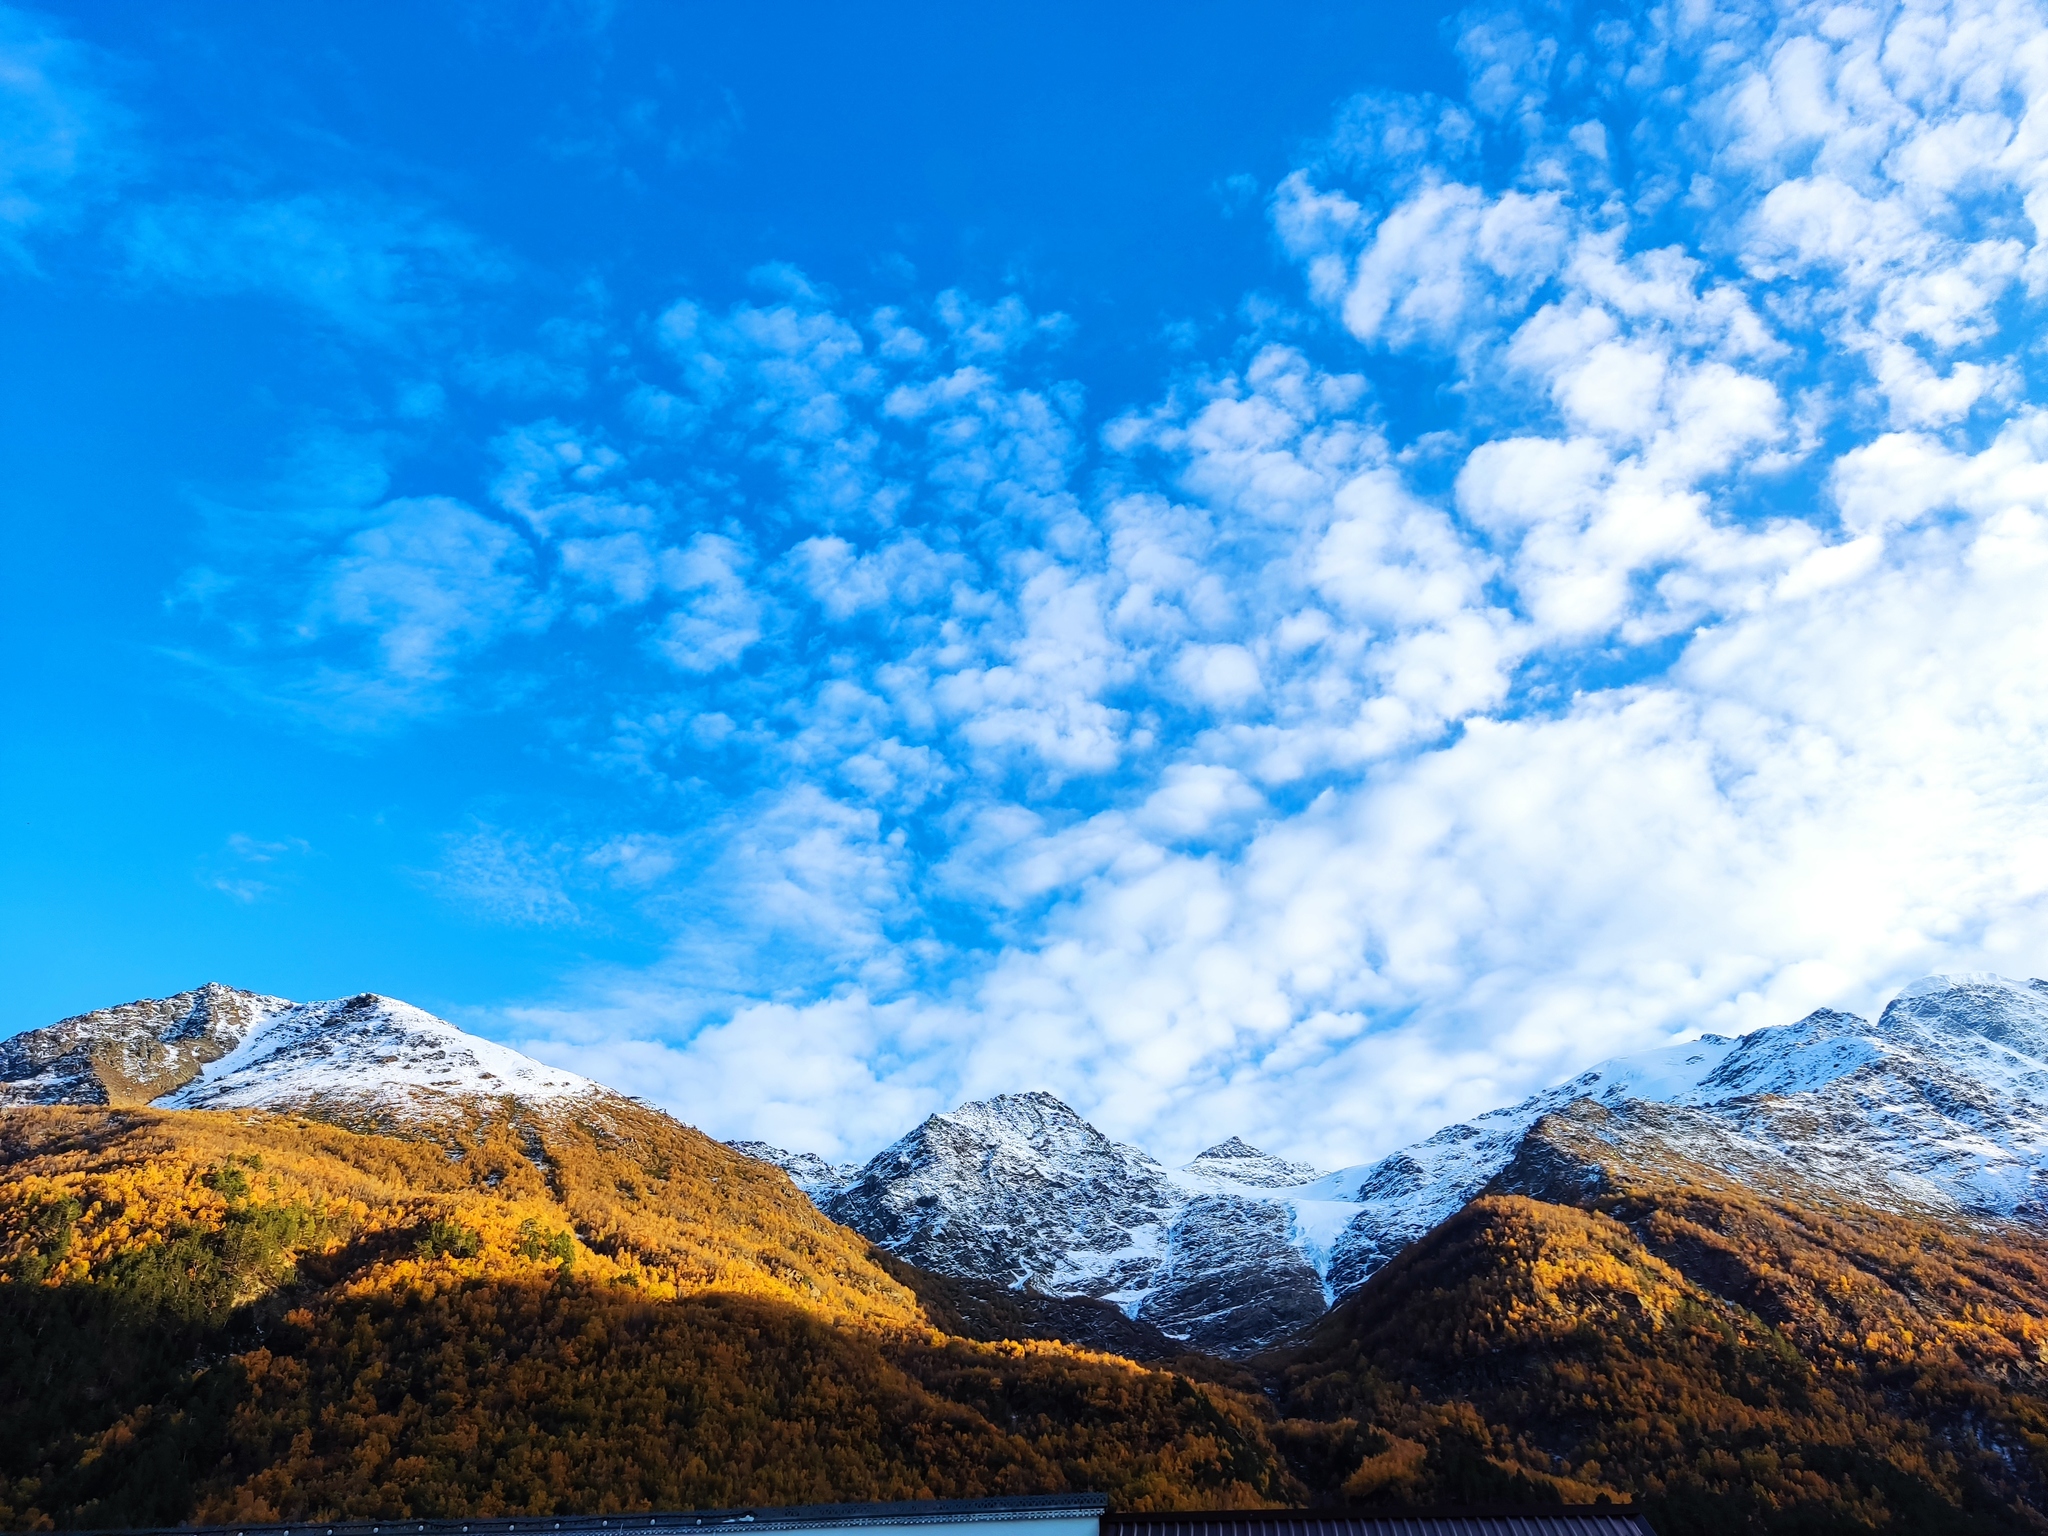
(1021, 1190)
(1941, 1107)
(216, 1047)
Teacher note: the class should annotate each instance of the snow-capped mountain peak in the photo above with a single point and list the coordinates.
(1020, 1189)
(1944, 1101)
(1017, 1188)
(808, 1171)
(1941, 1104)
(132, 1053)
(1236, 1161)
(1974, 1010)
(220, 1048)
(370, 1051)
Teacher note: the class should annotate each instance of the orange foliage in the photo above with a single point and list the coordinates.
(1732, 1363)
(226, 1316)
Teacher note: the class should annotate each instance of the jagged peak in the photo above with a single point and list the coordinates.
(1236, 1147)
(1957, 981)
(1819, 1019)
(807, 1170)
(1037, 1122)
(1028, 1108)
(1238, 1161)
(218, 1046)
(1997, 1008)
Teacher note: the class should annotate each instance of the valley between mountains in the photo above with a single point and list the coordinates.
(263, 1259)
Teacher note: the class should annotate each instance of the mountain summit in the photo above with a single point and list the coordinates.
(1021, 1191)
(219, 1048)
(1940, 1108)
(1238, 1162)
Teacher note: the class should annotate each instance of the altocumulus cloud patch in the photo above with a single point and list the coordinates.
(1259, 754)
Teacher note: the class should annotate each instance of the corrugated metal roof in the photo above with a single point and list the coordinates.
(1578, 1520)
(1065, 1506)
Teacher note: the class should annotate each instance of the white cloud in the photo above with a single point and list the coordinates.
(375, 267)
(836, 1076)
(1221, 676)
(1333, 745)
(1449, 259)
(1195, 798)
(719, 616)
(430, 582)
(62, 141)
(502, 877)
(1814, 800)
(251, 869)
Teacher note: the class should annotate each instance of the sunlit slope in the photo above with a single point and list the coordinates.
(1734, 1361)
(213, 1316)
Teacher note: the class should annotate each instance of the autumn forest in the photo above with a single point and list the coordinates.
(213, 1316)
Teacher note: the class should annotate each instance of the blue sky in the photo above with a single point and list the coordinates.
(1296, 574)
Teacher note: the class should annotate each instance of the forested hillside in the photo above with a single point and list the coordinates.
(1731, 1361)
(215, 1316)
(225, 1316)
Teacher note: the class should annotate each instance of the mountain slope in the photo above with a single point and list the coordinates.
(132, 1053)
(1792, 1281)
(363, 1058)
(1942, 1105)
(1732, 1361)
(229, 1316)
(1021, 1191)
(352, 1261)
(1940, 1108)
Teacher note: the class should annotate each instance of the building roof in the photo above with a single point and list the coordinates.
(1557, 1520)
(1579, 1520)
(809, 1517)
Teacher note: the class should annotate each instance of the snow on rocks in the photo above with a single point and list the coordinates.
(368, 1051)
(1940, 1107)
(219, 1048)
(1236, 1162)
(132, 1053)
(807, 1171)
(1021, 1190)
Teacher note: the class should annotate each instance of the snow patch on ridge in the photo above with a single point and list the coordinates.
(368, 1050)
(219, 1048)
(1940, 1105)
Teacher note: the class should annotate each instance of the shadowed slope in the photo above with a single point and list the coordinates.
(1730, 1360)
(214, 1316)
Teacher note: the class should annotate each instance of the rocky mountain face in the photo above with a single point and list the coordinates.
(1747, 1283)
(133, 1053)
(354, 1058)
(1020, 1190)
(1940, 1108)
(276, 1316)
(1724, 1358)
(808, 1171)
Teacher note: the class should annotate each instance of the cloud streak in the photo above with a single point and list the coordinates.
(1259, 756)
